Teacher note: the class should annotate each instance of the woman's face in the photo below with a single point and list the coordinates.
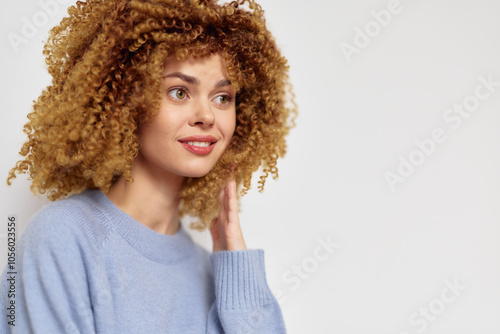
(196, 119)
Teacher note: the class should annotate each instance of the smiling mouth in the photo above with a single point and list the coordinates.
(199, 143)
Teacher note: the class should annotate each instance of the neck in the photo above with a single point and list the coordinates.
(152, 199)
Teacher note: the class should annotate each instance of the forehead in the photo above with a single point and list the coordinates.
(211, 65)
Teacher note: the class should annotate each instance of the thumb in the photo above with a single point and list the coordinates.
(214, 229)
(215, 233)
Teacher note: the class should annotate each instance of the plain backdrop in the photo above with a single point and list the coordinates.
(379, 85)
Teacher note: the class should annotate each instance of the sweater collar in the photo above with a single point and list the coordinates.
(158, 247)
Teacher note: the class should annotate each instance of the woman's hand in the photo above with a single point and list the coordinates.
(226, 230)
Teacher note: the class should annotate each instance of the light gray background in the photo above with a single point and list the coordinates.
(397, 251)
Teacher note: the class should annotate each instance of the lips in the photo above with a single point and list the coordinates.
(201, 145)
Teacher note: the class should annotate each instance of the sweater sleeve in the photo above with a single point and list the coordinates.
(52, 290)
(243, 301)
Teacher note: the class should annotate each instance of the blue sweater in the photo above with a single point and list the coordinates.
(85, 266)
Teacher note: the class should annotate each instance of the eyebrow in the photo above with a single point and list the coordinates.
(194, 80)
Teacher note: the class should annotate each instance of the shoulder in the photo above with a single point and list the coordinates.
(76, 219)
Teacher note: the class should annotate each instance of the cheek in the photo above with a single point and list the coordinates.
(153, 136)
(166, 123)
(229, 124)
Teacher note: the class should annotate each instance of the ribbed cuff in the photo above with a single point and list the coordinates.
(240, 279)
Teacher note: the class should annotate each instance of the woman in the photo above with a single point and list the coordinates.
(157, 109)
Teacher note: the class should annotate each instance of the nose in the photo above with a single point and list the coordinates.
(203, 115)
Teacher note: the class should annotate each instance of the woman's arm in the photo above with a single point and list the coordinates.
(244, 303)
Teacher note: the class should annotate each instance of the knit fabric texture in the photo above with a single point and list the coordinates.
(84, 266)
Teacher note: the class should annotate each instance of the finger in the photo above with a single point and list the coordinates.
(227, 197)
(223, 207)
(232, 202)
(222, 194)
(234, 234)
(214, 230)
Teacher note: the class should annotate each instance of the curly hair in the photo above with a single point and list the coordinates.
(106, 60)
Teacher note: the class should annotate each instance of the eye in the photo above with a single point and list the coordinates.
(223, 99)
(178, 93)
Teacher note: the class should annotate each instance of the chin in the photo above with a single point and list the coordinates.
(195, 175)
(196, 172)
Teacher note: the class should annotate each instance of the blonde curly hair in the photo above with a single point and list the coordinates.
(106, 60)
